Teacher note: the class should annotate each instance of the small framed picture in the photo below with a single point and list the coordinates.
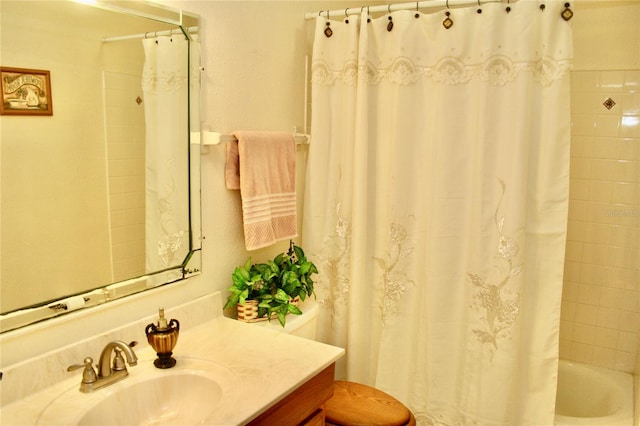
(25, 92)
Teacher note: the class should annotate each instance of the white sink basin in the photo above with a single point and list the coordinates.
(173, 399)
(187, 394)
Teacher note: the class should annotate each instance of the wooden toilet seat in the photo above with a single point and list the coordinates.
(356, 404)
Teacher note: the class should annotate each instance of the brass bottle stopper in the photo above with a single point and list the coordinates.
(163, 338)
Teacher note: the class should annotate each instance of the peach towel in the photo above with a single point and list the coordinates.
(262, 165)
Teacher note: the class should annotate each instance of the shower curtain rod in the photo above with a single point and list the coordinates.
(397, 6)
(148, 35)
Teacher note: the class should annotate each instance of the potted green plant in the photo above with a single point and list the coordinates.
(264, 290)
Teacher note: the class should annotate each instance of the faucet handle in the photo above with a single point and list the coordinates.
(89, 374)
(118, 359)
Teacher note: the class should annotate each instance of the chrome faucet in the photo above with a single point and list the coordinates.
(108, 371)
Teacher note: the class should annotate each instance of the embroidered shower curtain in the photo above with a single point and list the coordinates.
(165, 82)
(436, 204)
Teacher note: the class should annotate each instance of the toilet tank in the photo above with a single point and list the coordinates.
(298, 325)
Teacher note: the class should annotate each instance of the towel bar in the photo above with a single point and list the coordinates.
(214, 138)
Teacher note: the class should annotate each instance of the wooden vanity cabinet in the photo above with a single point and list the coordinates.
(304, 405)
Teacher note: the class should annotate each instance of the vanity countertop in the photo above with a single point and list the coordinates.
(265, 365)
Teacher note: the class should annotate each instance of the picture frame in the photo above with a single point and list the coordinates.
(25, 91)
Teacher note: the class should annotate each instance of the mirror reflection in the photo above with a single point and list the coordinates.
(100, 199)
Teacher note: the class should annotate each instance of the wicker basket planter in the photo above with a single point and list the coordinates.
(249, 311)
(278, 285)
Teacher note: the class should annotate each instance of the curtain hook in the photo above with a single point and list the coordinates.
(328, 31)
(346, 21)
(390, 24)
(479, 7)
(508, 9)
(417, 15)
(448, 22)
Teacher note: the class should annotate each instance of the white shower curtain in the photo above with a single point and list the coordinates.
(436, 204)
(166, 104)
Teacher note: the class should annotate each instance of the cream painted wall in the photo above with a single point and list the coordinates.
(606, 34)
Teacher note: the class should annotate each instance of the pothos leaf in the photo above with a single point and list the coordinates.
(299, 253)
(243, 296)
(281, 317)
(240, 277)
(293, 309)
(281, 296)
(247, 264)
(264, 304)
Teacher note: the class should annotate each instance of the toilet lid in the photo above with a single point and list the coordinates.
(356, 404)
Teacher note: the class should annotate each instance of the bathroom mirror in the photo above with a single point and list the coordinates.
(99, 199)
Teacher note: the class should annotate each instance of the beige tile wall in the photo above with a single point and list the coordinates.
(600, 322)
(125, 146)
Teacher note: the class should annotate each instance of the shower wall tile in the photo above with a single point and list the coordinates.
(603, 357)
(600, 321)
(125, 151)
(611, 81)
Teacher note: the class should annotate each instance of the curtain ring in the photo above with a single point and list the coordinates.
(327, 13)
(389, 8)
(447, 4)
(345, 12)
(320, 13)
